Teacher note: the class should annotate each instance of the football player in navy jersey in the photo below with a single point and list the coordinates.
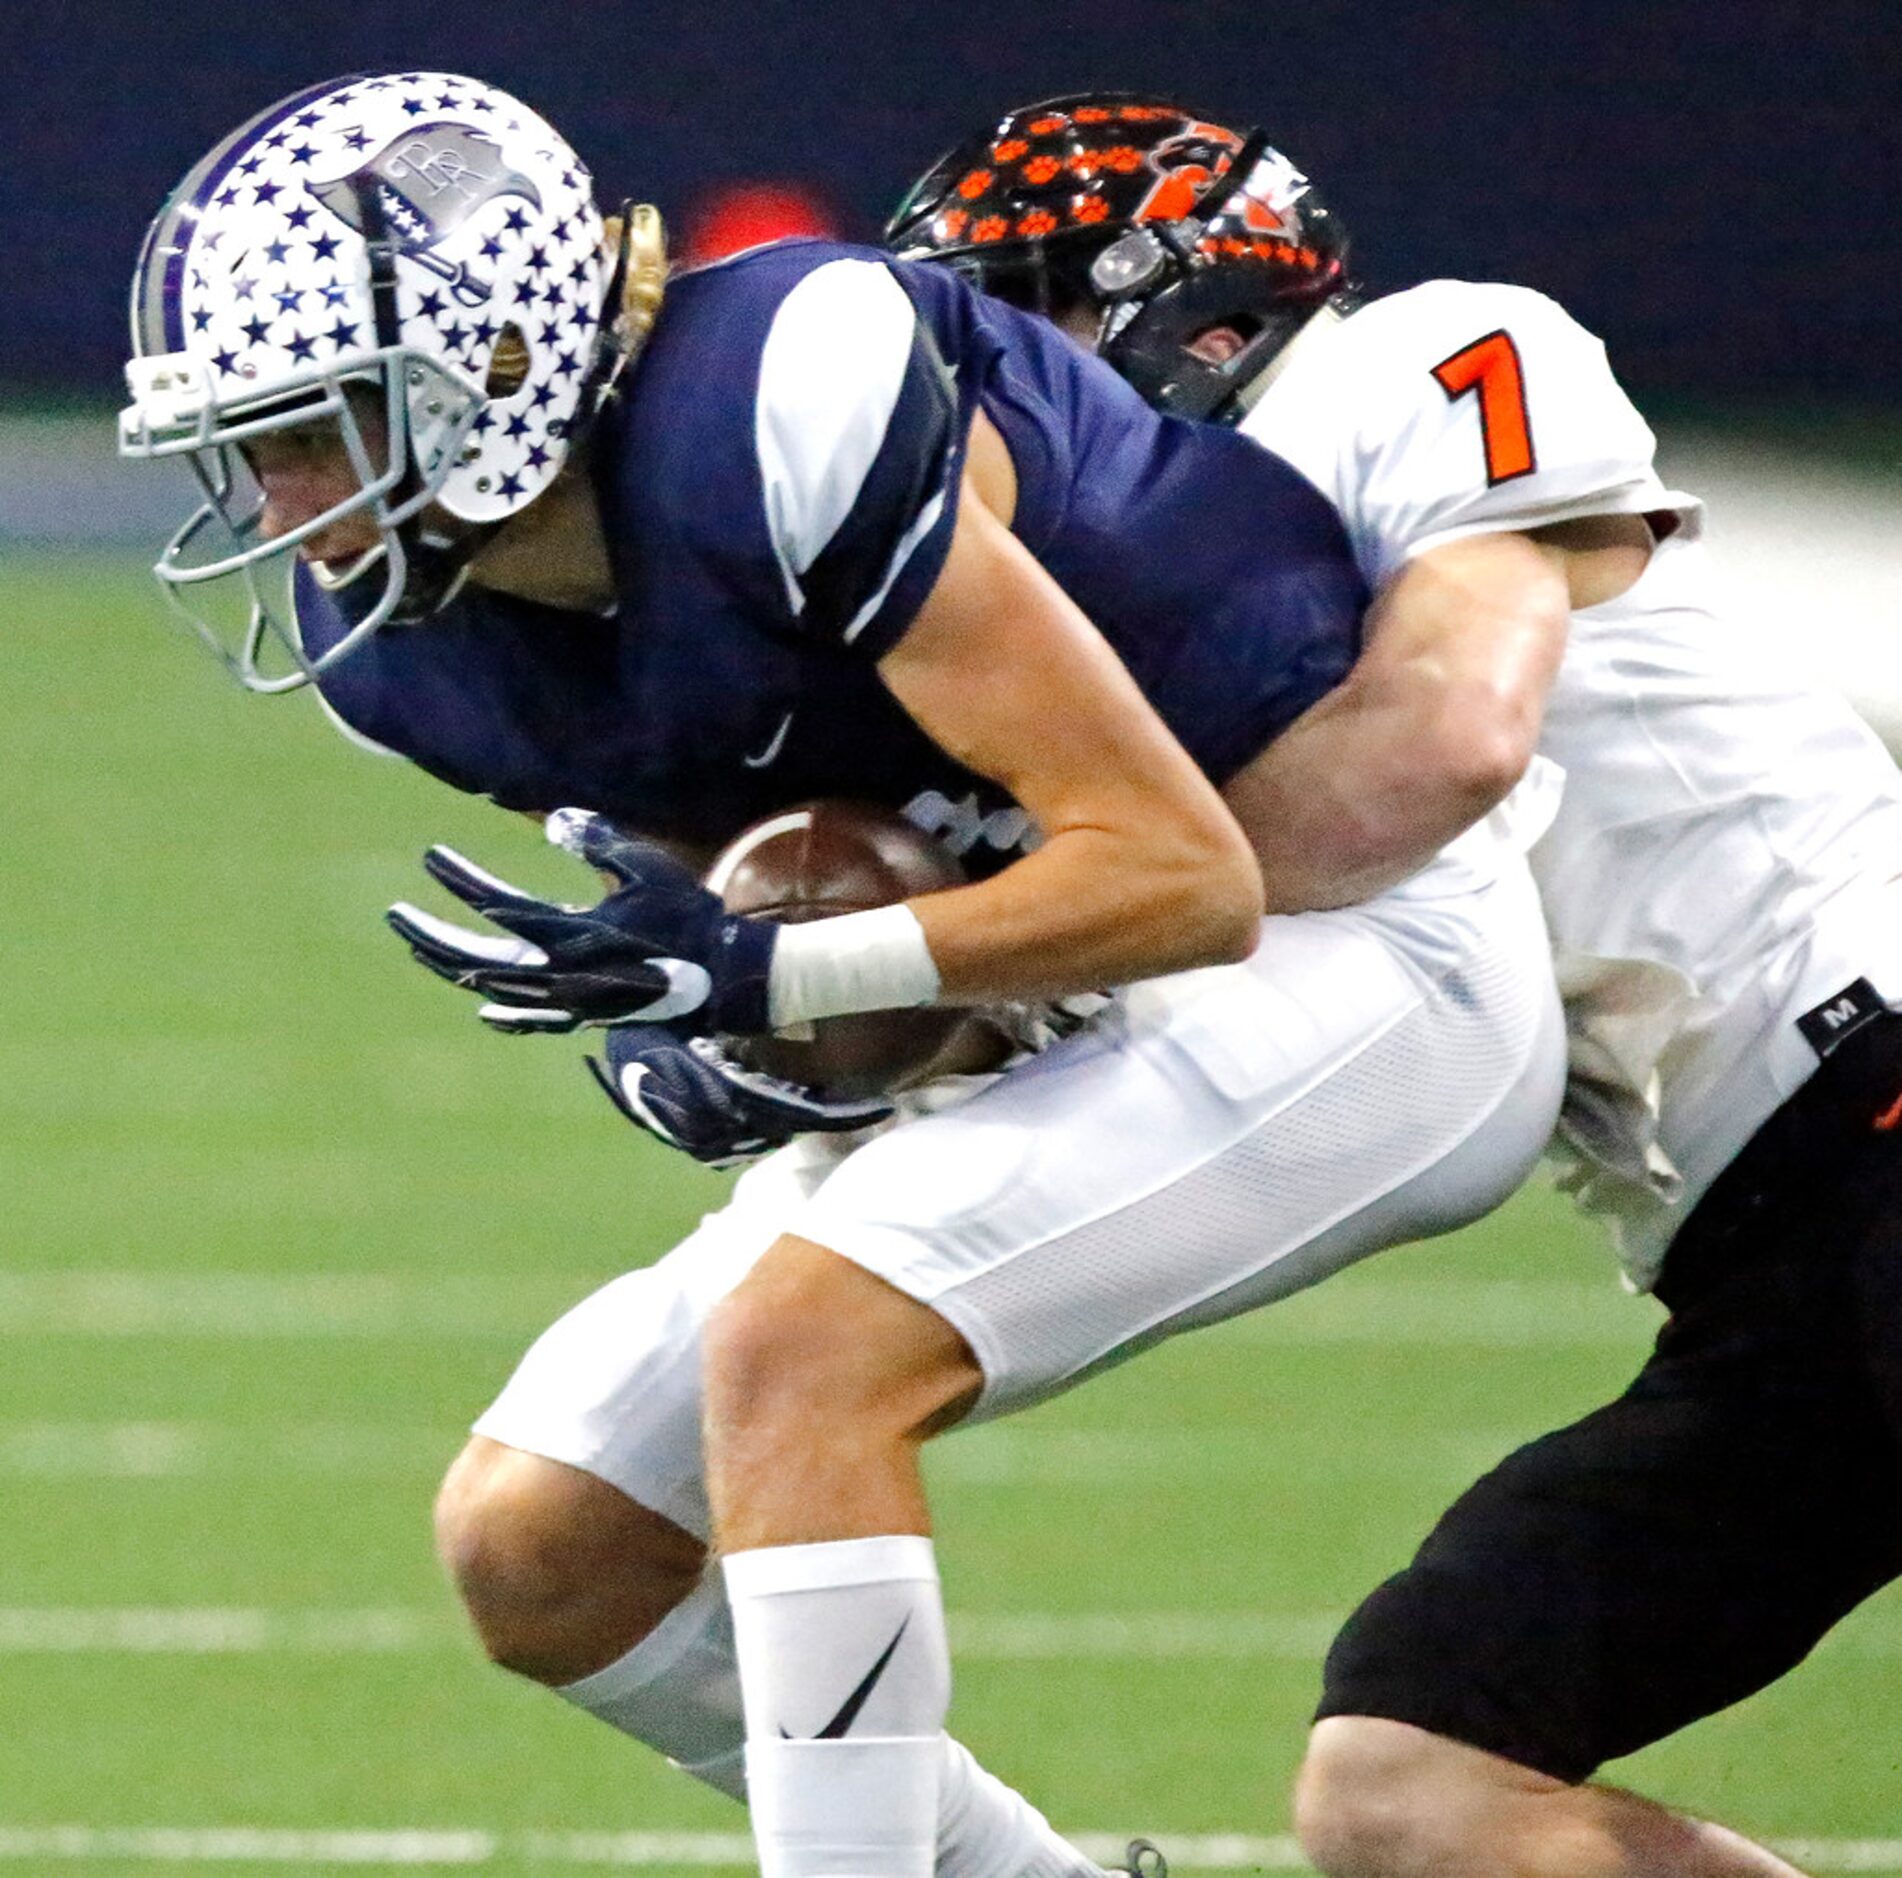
(1720, 881)
(654, 557)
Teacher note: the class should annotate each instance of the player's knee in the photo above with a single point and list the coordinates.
(561, 1574)
(809, 1338)
(1374, 1799)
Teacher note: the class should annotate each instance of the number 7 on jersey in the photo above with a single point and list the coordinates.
(1490, 367)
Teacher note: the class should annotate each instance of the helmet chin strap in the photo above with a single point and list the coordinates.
(434, 574)
(630, 303)
(1240, 169)
(610, 356)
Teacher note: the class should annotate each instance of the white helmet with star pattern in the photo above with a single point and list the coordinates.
(421, 235)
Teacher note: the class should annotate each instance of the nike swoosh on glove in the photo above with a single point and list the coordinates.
(691, 1095)
(660, 948)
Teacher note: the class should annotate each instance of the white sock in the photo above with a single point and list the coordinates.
(678, 1690)
(989, 1830)
(845, 1677)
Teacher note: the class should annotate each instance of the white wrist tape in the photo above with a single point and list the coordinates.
(876, 961)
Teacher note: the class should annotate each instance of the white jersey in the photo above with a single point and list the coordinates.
(1726, 853)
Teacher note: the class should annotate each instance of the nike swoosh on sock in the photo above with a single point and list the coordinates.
(849, 1708)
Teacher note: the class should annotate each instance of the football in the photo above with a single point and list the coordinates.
(826, 858)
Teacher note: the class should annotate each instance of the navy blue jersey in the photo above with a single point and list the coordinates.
(779, 483)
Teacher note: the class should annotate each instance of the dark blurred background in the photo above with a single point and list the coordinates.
(1712, 187)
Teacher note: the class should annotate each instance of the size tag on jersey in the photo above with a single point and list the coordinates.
(1839, 1017)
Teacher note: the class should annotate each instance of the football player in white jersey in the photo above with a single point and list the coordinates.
(1723, 883)
(921, 548)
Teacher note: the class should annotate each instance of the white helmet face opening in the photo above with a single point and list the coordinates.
(416, 255)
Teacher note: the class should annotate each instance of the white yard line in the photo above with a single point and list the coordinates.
(271, 1304)
(54, 1630)
(226, 1845)
(1491, 1313)
(460, 1847)
(995, 1455)
(1033, 1636)
(183, 1450)
(1016, 1636)
(976, 1636)
(1002, 1454)
(1531, 1312)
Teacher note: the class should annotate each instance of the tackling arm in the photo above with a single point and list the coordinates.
(1430, 730)
(1443, 423)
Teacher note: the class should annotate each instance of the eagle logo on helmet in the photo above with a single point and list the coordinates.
(427, 183)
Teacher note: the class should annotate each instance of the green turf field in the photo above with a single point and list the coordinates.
(277, 1216)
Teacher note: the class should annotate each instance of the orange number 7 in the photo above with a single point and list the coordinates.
(1490, 366)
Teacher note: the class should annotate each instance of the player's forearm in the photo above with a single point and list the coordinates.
(1351, 799)
(1142, 870)
(1430, 730)
(1045, 928)
(1092, 908)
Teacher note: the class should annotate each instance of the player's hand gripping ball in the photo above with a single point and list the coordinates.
(827, 858)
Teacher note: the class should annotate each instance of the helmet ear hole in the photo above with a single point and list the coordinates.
(508, 364)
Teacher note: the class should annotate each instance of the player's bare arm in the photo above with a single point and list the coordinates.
(1439, 717)
(1142, 870)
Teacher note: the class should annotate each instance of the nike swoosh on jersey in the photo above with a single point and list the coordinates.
(687, 988)
(849, 1708)
(773, 749)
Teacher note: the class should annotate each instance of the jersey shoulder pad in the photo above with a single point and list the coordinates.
(1458, 407)
(840, 461)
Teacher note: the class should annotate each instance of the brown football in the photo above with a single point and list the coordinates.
(825, 858)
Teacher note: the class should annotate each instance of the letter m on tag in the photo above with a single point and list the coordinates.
(1840, 1017)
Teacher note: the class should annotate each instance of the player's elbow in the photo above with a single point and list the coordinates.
(1227, 899)
(1243, 909)
(1466, 644)
(1487, 765)
(1229, 935)
(1474, 745)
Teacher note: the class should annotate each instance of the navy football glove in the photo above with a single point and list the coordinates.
(694, 1097)
(661, 948)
